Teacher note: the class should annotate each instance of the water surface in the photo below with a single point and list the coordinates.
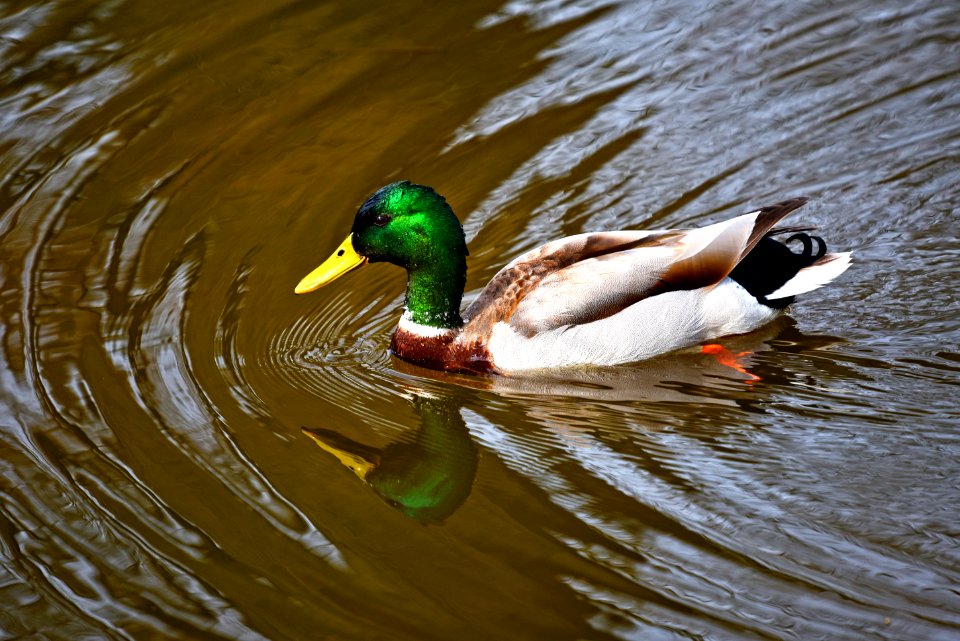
(183, 439)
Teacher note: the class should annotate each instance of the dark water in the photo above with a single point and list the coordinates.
(170, 170)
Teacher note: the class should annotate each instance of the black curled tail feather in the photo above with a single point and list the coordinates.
(808, 241)
(771, 263)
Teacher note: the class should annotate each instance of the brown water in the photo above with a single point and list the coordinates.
(171, 169)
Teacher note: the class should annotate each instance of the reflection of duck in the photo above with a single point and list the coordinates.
(428, 479)
(597, 298)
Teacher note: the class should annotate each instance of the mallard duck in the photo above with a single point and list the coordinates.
(599, 298)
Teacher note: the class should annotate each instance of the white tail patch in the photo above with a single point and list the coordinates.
(816, 275)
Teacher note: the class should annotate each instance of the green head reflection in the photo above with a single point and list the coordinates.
(428, 479)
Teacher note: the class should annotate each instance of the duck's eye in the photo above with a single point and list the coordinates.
(381, 220)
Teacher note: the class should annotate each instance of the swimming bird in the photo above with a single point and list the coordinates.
(598, 298)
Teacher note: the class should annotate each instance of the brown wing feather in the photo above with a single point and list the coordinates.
(717, 260)
(770, 216)
(592, 289)
(500, 298)
(569, 263)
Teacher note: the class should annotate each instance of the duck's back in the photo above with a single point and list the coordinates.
(613, 297)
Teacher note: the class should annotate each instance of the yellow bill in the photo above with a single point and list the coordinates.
(360, 466)
(344, 259)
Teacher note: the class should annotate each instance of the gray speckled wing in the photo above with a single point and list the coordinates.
(593, 276)
(592, 289)
(512, 285)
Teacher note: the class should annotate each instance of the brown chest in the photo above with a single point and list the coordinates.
(446, 352)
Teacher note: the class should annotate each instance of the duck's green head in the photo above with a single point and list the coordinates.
(411, 226)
